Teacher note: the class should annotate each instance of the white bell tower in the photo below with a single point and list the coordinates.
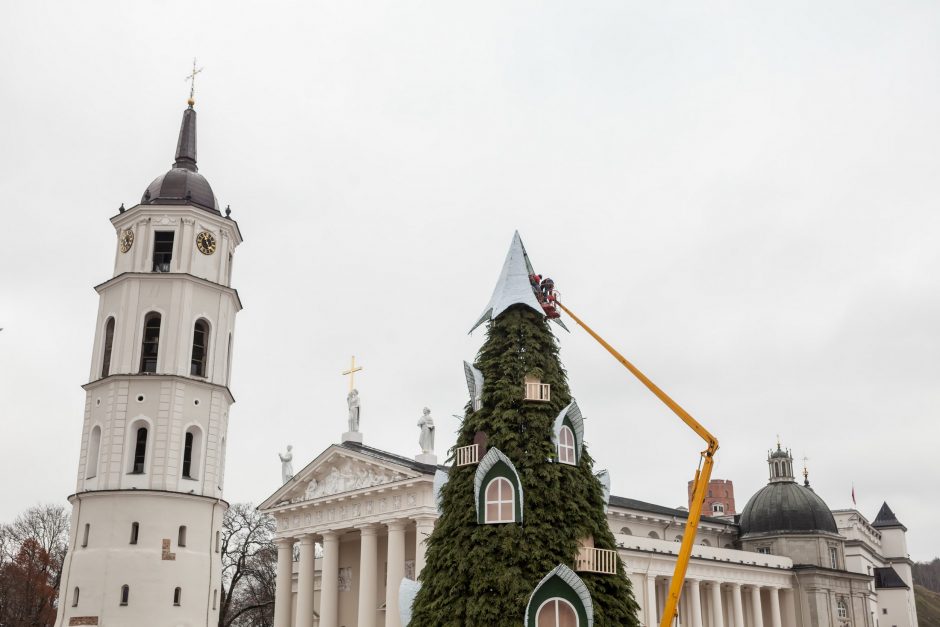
(147, 510)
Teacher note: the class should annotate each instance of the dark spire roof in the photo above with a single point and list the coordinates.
(186, 146)
(182, 184)
(887, 519)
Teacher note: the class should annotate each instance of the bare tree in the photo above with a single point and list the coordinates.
(249, 563)
(32, 551)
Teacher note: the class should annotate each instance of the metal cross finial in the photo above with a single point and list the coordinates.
(192, 82)
(353, 369)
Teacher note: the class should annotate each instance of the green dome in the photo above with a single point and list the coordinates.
(786, 507)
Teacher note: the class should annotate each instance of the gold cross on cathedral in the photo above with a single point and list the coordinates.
(192, 82)
(351, 373)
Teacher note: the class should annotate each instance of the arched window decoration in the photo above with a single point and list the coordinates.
(85, 535)
(556, 612)
(197, 367)
(177, 596)
(106, 353)
(653, 535)
(140, 451)
(560, 600)
(181, 536)
(474, 385)
(566, 446)
(75, 597)
(626, 531)
(500, 502)
(568, 434)
(150, 345)
(495, 497)
(91, 460)
(188, 455)
(842, 609)
(705, 542)
(718, 508)
(192, 450)
(135, 532)
(125, 594)
(218, 540)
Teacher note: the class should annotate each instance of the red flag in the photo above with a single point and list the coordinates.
(853, 495)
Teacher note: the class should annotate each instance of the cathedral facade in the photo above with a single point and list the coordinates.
(147, 509)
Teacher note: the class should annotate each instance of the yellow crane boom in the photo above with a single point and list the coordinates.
(699, 483)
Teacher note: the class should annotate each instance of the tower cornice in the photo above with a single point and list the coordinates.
(160, 377)
(162, 276)
(127, 217)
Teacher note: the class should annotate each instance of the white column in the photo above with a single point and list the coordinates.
(283, 595)
(775, 618)
(329, 581)
(695, 606)
(305, 581)
(368, 575)
(718, 617)
(737, 604)
(423, 529)
(756, 609)
(650, 601)
(396, 572)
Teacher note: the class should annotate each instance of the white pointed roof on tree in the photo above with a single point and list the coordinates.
(513, 286)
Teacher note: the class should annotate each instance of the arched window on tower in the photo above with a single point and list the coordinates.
(197, 366)
(75, 597)
(566, 449)
(500, 501)
(557, 612)
(125, 594)
(106, 353)
(192, 446)
(718, 508)
(181, 537)
(177, 596)
(150, 346)
(228, 362)
(135, 532)
(140, 451)
(91, 459)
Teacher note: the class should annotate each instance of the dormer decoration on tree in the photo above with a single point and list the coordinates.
(535, 390)
(497, 490)
(568, 434)
(559, 600)
(604, 477)
(440, 478)
(471, 454)
(474, 385)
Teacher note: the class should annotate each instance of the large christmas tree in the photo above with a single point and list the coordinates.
(532, 470)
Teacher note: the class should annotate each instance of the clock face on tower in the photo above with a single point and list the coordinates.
(126, 239)
(205, 242)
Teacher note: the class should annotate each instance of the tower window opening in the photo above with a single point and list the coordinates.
(834, 557)
(150, 346)
(181, 537)
(91, 459)
(177, 595)
(218, 537)
(197, 366)
(162, 250)
(106, 353)
(125, 594)
(188, 455)
(215, 598)
(135, 532)
(718, 508)
(85, 535)
(75, 597)
(842, 609)
(140, 451)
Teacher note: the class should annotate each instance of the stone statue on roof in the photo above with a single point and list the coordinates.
(287, 467)
(353, 401)
(426, 441)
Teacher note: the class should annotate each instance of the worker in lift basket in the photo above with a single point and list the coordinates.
(548, 289)
(535, 280)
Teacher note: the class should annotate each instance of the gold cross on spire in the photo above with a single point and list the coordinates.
(192, 83)
(353, 369)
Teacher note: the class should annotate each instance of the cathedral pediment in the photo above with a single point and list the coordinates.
(342, 470)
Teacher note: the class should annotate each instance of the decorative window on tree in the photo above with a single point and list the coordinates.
(535, 390)
(568, 434)
(560, 600)
(498, 490)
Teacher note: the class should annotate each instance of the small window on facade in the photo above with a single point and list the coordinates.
(75, 597)
(841, 609)
(188, 455)
(718, 508)
(626, 531)
(177, 594)
(135, 532)
(557, 612)
(125, 594)
(653, 535)
(140, 451)
(162, 250)
(215, 598)
(106, 353)
(91, 459)
(150, 345)
(85, 535)
(764, 550)
(834, 557)
(197, 367)
(566, 451)
(218, 538)
(181, 538)
(500, 501)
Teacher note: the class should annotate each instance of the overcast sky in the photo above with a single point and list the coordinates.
(742, 197)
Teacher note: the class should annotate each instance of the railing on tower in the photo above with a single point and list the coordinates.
(591, 560)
